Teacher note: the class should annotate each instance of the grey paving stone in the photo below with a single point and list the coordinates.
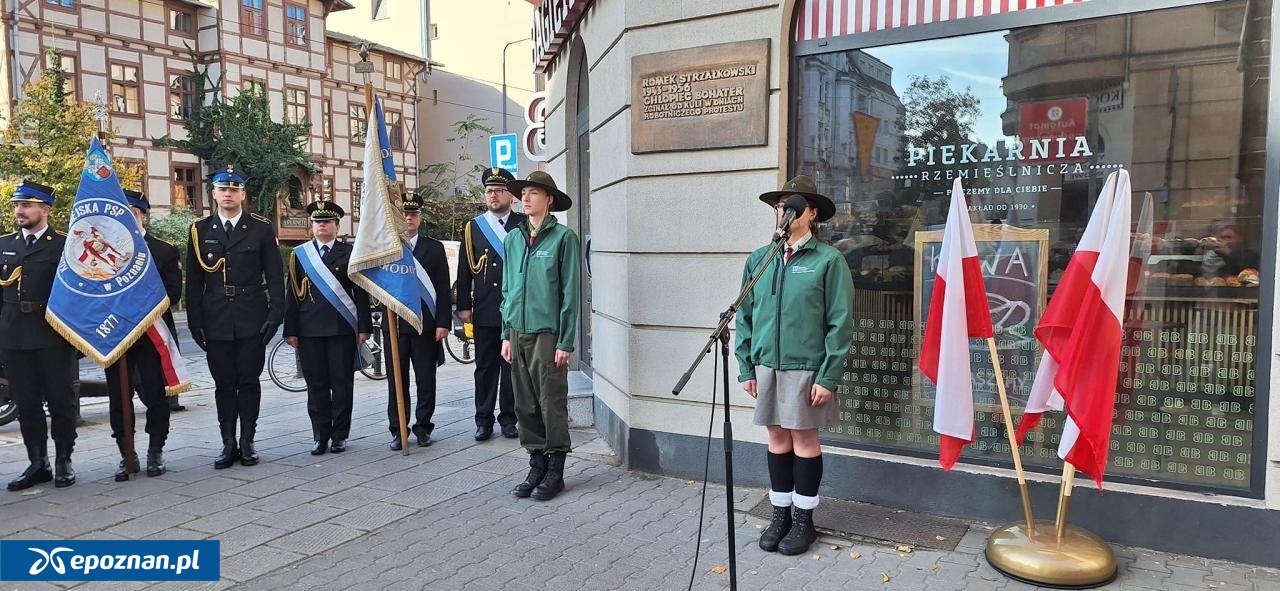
(354, 497)
(261, 561)
(245, 537)
(299, 516)
(143, 526)
(372, 516)
(283, 500)
(315, 539)
(224, 520)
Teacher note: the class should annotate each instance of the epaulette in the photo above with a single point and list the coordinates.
(59, 232)
(259, 217)
(159, 239)
(9, 235)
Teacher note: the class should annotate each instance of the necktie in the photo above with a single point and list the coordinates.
(324, 250)
(31, 240)
(787, 257)
(227, 226)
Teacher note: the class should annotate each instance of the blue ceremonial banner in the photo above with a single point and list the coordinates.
(381, 262)
(108, 291)
(109, 560)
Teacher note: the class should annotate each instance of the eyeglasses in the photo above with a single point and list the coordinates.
(496, 191)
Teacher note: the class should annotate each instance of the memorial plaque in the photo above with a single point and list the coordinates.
(716, 96)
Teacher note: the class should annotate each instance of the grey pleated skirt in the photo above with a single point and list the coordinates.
(782, 398)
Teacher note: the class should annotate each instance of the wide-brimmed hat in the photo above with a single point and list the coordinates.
(543, 181)
(803, 186)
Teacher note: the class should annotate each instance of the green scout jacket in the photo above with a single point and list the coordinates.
(813, 294)
(540, 283)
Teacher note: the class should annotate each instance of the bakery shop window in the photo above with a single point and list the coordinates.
(1032, 120)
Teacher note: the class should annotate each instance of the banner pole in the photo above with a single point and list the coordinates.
(393, 331)
(128, 419)
(1013, 438)
(1064, 498)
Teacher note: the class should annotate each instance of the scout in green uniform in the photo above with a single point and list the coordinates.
(793, 333)
(540, 284)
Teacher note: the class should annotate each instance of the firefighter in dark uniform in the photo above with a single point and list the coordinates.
(480, 302)
(39, 362)
(425, 351)
(325, 335)
(146, 375)
(235, 304)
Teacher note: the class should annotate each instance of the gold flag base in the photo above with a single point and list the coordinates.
(1077, 560)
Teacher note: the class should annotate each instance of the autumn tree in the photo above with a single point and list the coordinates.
(46, 140)
(451, 189)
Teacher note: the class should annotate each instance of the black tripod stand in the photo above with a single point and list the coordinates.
(721, 335)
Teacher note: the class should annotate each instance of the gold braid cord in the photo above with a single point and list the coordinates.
(477, 266)
(195, 245)
(300, 288)
(14, 277)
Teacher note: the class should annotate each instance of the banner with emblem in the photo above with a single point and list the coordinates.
(108, 292)
(381, 261)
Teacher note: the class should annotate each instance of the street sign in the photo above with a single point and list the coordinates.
(502, 152)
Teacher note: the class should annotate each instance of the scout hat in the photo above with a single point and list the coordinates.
(542, 180)
(325, 211)
(803, 186)
(496, 176)
(33, 192)
(411, 202)
(228, 178)
(138, 200)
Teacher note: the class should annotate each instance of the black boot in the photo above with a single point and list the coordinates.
(38, 472)
(778, 528)
(230, 453)
(63, 474)
(537, 469)
(248, 455)
(553, 482)
(155, 462)
(801, 536)
(122, 472)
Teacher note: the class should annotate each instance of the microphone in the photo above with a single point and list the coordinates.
(791, 209)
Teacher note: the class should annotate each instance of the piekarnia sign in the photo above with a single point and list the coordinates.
(109, 560)
(1011, 158)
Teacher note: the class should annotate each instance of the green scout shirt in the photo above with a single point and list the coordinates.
(814, 294)
(540, 283)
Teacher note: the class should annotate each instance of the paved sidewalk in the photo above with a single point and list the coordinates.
(442, 518)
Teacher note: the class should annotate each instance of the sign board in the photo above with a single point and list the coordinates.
(1054, 121)
(502, 152)
(715, 96)
(534, 141)
(1015, 268)
(553, 20)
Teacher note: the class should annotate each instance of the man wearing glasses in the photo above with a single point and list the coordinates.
(480, 302)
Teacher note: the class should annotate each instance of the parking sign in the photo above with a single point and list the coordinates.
(502, 152)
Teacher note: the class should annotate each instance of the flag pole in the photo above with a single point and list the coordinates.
(1064, 498)
(1013, 438)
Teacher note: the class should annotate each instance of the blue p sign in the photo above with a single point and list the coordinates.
(502, 152)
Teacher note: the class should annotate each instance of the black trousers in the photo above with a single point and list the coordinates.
(147, 379)
(38, 377)
(493, 379)
(328, 365)
(424, 353)
(236, 367)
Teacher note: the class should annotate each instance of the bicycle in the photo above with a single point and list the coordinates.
(460, 347)
(285, 368)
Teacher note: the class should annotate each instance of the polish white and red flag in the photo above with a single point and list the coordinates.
(1081, 333)
(957, 312)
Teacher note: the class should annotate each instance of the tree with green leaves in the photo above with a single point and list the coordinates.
(46, 140)
(451, 189)
(935, 114)
(241, 133)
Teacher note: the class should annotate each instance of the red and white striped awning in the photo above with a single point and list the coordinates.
(819, 19)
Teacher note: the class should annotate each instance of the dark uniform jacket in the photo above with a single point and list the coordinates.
(308, 313)
(235, 283)
(480, 274)
(430, 254)
(32, 273)
(169, 263)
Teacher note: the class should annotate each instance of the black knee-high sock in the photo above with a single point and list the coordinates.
(808, 475)
(782, 472)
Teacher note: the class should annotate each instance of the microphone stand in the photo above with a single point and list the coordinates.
(721, 335)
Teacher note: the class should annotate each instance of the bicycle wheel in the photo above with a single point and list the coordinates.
(285, 368)
(461, 349)
(378, 369)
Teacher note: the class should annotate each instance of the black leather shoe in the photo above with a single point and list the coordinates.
(318, 447)
(338, 446)
(248, 455)
(510, 432)
(484, 433)
(424, 441)
(122, 471)
(33, 475)
(63, 474)
(395, 444)
(155, 462)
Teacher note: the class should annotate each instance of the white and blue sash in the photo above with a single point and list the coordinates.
(327, 284)
(425, 289)
(493, 232)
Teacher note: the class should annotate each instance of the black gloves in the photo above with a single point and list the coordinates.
(197, 335)
(268, 332)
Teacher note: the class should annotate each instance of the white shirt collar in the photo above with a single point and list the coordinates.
(502, 220)
(801, 242)
(320, 244)
(235, 221)
(413, 241)
(38, 235)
